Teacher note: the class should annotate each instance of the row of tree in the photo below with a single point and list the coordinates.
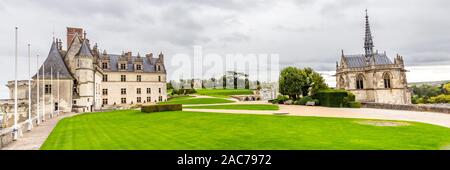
(431, 94)
(296, 82)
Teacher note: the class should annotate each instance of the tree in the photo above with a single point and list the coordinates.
(446, 88)
(306, 78)
(224, 81)
(247, 82)
(318, 83)
(169, 86)
(213, 80)
(296, 82)
(291, 82)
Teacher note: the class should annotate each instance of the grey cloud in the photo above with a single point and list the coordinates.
(236, 37)
(306, 33)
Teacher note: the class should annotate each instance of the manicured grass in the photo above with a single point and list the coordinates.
(223, 93)
(193, 100)
(238, 107)
(131, 129)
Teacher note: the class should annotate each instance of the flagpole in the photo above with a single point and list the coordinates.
(51, 92)
(57, 113)
(15, 128)
(43, 91)
(37, 91)
(30, 123)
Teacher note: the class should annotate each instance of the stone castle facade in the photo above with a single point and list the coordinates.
(80, 78)
(372, 76)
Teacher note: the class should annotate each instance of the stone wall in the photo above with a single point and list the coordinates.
(411, 107)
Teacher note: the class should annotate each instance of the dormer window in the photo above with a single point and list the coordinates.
(123, 66)
(159, 68)
(104, 65)
(138, 67)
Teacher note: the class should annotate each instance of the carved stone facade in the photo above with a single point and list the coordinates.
(372, 76)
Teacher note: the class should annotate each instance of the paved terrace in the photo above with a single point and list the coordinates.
(34, 139)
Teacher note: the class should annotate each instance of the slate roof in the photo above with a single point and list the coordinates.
(84, 50)
(147, 66)
(55, 61)
(354, 61)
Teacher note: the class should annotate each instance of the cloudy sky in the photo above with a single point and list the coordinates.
(303, 32)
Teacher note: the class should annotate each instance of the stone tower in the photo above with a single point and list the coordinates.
(85, 77)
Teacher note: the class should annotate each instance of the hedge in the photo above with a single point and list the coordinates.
(354, 104)
(334, 98)
(161, 108)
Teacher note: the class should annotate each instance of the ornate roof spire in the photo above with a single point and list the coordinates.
(85, 51)
(368, 42)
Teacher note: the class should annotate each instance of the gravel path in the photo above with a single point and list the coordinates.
(440, 119)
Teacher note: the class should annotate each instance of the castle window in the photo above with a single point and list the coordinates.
(387, 80)
(105, 65)
(123, 100)
(138, 67)
(149, 90)
(341, 82)
(48, 89)
(123, 91)
(105, 91)
(123, 78)
(105, 101)
(360, 82)
(139, 78)
(138, 100)
(159, 78)
(123, 66)
(160, 98)
(159, 90)
(105, 78)
(138, 91)
(149, 99)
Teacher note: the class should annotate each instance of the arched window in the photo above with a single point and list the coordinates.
(387, 80)
(360, 82)
(341, 82)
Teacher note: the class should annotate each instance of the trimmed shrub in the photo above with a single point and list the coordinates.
(333, 98)
(304, 100)
(354, 104)
(316, 101)
(161, 108)
(289, 102)
(279, 100)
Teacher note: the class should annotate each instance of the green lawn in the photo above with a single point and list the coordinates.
(238, 107)
(223, 93)
(131, 129)
(193, 100)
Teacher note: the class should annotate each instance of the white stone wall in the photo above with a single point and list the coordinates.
(149, 80)
(374, 90)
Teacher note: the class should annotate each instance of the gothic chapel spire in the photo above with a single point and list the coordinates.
(368, 42)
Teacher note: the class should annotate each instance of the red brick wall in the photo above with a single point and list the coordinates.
(71, 32)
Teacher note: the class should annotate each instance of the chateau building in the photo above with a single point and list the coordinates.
(372, 76)
(83, 79)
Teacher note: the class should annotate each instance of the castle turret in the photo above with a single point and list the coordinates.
(85, 77)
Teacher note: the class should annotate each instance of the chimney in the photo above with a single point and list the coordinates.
(161, 57)
(71, 32)
(129, 56)
(149, 57)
